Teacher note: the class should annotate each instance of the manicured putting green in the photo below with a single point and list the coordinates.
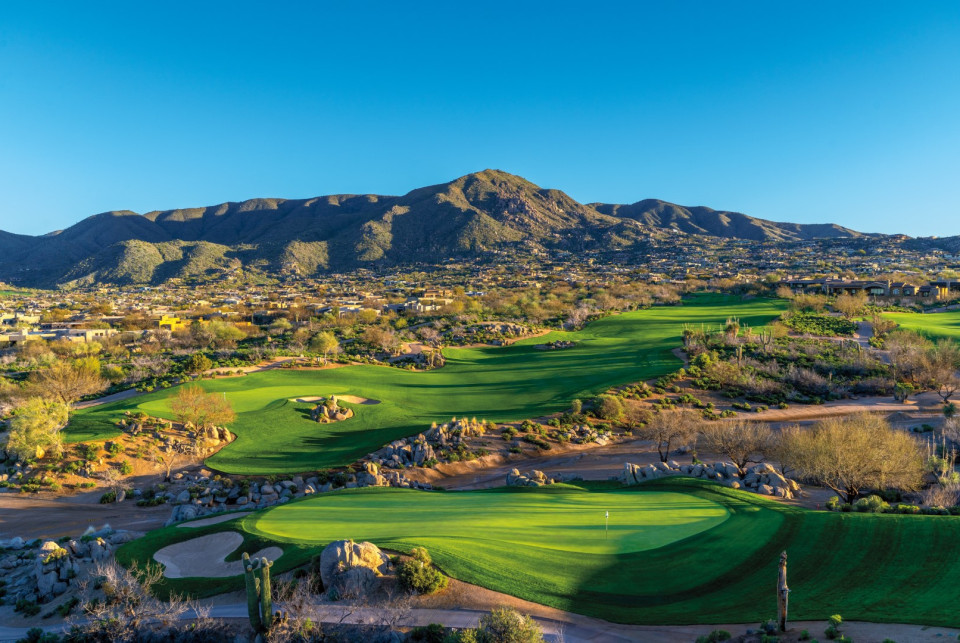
(500, 384)
(679, 550)
(566, 520)
(934, 325)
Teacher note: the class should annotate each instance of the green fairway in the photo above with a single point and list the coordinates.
(679, 550)
(496, 383)
(933, 325)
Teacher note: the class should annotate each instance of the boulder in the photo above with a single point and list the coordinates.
(49, 547)
(355, 582)
(765, 489)
(343, 555)
(763, 468)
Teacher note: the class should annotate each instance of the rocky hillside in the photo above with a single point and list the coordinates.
(719, 223)
(478, 212)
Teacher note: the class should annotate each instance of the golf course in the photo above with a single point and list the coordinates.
(678, 550)
(933, 325)
(276, 435)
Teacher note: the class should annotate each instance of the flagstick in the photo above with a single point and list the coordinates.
(606, 524)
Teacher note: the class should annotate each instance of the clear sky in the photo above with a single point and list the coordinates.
(846, 112)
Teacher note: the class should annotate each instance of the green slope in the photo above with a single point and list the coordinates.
(934, 325)
(496, 383)
(680, 551)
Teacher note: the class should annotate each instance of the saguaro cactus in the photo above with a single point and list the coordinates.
(259, 600)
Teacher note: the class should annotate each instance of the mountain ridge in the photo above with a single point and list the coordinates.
(474, 213)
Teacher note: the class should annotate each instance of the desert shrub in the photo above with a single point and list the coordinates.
(871, 504)
(833, 629)
(534, 440)
(37, 635)
(88, 451)
(433, 633)
(807, 381)
(823, 325)
(27, 608)
(506, 625)
(417, 574)
(609, 408)
(108, 497)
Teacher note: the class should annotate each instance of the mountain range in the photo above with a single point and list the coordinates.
(483, 211)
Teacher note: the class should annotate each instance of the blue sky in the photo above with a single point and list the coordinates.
(793, 111)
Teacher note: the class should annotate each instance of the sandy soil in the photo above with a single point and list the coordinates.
(350, 399)
(30, 516)
(204, 556)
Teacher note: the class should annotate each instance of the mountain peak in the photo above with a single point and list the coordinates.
(476, 212)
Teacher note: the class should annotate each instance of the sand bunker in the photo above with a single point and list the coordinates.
(350, 399)
(204, 556)
(212, 520)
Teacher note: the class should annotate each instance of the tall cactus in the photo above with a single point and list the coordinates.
(259, 599)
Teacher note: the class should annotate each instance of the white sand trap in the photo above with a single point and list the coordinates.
(204, 556)
(212, 520)
(351, 399)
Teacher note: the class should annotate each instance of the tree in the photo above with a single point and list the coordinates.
(280, 326)
(203, 410)
(578, 316)
(69, 382)
(35, 428)
(197, 363)
(850, 305)
(381, 338)
(882, 325)
(224, 334)
(853, 453)
(324, 342)
(609, 408)
(908, 354)
(169, 461)
(507, 625)
(740, 441)
(941, 372)
(668, 428)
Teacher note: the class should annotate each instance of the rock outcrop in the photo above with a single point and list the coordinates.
(762, 478)
(427, 446)
(205, 496)
(40, 571)
(536, 478)
(350, 569)
(330, 411)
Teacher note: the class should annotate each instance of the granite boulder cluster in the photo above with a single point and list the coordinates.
(39, 571)
(537, 478)
(762, 478)
(329, 410)
(206, 496)
(429, 445)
